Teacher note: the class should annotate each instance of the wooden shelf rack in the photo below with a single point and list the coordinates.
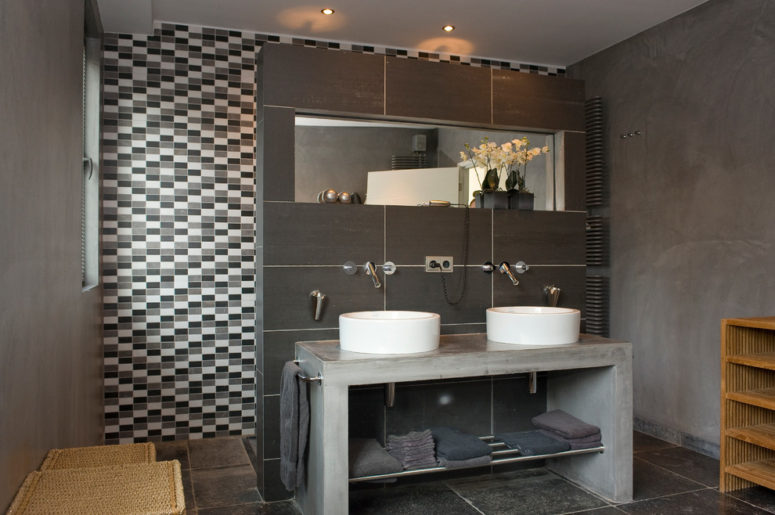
(747, 403)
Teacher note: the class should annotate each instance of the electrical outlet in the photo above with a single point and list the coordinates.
(440, 264)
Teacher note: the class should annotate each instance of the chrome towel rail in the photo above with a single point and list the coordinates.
(317, 379)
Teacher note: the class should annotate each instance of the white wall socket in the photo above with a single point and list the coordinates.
(443, 264)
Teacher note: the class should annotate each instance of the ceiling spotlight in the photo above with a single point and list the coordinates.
(448, 28)
(327, 11)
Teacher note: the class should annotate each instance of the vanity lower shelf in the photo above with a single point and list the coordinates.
(500, 457)
(759, 472)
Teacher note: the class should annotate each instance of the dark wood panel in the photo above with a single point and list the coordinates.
(539, 237)
(315, 78)
(575, 171)
(275, 143)
(536, 101)
(439, 91)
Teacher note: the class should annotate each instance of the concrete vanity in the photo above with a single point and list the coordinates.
(591, 379)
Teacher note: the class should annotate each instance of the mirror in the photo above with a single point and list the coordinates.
(396, 163)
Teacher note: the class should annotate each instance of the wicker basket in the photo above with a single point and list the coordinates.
(138, 488)
(99, 456)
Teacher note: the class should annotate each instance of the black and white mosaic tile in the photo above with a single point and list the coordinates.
(178, 235)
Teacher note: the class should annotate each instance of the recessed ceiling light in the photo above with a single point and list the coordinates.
(327, 11)
(448, 28)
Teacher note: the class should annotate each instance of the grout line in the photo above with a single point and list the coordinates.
(464, 499)
(673, 472)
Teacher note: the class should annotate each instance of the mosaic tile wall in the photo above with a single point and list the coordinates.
(178, 235)
(179, 221)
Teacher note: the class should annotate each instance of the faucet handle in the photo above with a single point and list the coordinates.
(520, 267)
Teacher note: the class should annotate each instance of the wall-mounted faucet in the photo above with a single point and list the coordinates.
(552, 295)
(519, 267)
(319, 298)
(505, 269)
(389, 268)
(372, 272)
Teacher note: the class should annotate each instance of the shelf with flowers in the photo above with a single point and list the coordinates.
(507, 160)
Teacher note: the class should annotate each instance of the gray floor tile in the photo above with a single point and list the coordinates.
(758, 496)
(608, 510)
(428, 498)
(275, 508)
(188, 490)
(689, 464)
(700, 502)
(526, 491)
(217, 452)
(650, 481)
(220, 487)
(176, 450)
(641, 442)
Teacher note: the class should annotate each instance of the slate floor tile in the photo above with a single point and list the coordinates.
(689, 464)
(641, 442)
(758, 496)
(525, 491)
(220, 487)
(274, 508)
(175, 450)
(699, 503)
(217, 452)
(428, 499)
(650, 481)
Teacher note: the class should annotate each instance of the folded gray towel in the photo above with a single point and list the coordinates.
(473, 462)
(414, 450)
(586, 445)
(533, 443)
(294, 426)
(368, 458)
(595, 438)
(456, 445)
(564, 424)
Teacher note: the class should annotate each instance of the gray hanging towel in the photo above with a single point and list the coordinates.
(294, 426)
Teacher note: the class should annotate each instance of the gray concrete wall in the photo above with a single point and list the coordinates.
(691, 208)
(50, 346)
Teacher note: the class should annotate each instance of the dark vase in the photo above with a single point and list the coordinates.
(521, 200)
(492, 199)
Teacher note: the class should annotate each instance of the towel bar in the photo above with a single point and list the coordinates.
(317, 379)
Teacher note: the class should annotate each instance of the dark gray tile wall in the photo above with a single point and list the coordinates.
(304, 248)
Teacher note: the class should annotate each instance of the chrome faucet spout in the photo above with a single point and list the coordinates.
(371, 271)
(505, 269)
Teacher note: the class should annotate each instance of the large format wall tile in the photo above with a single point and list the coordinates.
(514, 405)
(411, 233)
(412, 288)
(280, 346)
(464, 405)
(529, 292)
(539, 237)
(437, 91)
(290, 85)
(545, 102)
(287, 301)
(322, 234)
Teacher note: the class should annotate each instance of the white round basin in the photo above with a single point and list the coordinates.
(533, 325)
(389, 332)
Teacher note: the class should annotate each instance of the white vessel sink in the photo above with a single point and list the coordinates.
(389, 332)
(533, 325)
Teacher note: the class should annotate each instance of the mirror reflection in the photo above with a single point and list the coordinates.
(392, 163)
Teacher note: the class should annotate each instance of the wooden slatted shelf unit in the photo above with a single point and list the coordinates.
(747, 403)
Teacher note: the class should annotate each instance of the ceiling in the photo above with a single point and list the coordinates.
(549, 32)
